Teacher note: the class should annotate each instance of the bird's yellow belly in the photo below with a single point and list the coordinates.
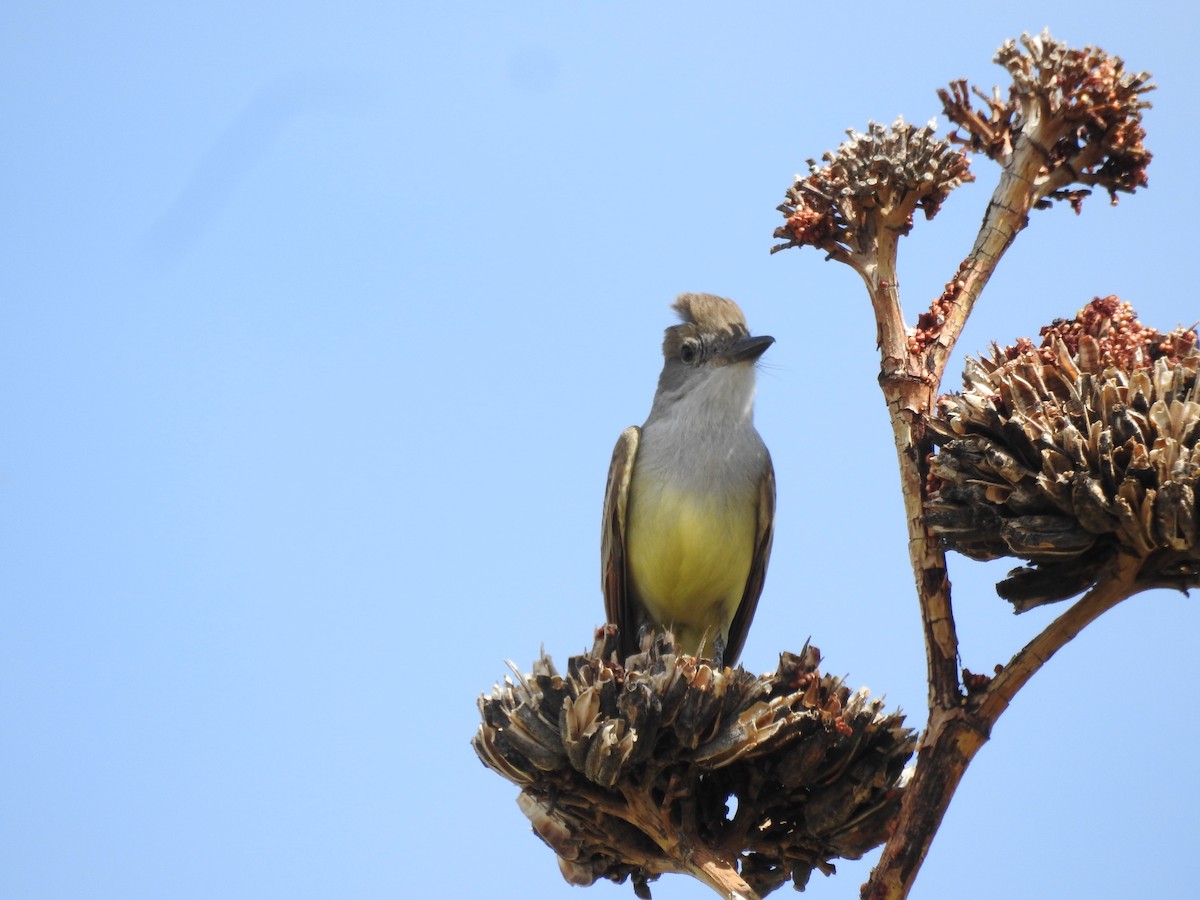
(688, 561)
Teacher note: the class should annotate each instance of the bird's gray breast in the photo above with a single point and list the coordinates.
(702, 460)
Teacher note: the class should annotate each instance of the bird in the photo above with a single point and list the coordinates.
(689, 506)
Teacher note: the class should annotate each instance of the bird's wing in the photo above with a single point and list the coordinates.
(617, 602)
(740, 625)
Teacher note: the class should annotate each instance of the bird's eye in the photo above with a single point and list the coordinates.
(689, 352)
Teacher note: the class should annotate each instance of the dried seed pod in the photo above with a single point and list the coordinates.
(1066, 454)
(620, 783)
(1080, 111)
(869, 188)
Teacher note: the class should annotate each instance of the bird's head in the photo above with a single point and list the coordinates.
(712, 337)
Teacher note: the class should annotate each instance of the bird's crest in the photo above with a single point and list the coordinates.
(709, 314)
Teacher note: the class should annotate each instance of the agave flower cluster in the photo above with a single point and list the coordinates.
(1069, 453)
(867, 190)
(626, 770)
(1078, 111)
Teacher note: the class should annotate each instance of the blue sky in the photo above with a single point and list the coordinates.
(318, 326)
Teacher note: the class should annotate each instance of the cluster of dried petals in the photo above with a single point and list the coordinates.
(930, 323)
(1121, 340)
(621, 765)
(1078, 111)
(1069, 453)
(868, 189)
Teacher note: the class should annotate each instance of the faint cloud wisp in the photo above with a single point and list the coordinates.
(234, 153)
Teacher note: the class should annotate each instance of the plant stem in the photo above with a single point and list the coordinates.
(910, 380)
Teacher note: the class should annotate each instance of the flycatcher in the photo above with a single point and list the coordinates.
(689, 510)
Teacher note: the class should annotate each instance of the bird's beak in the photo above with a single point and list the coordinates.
(745, 349)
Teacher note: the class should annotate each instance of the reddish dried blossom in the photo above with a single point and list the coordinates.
(1079, 111)
(930, 323)
(1119, 337)
(869, 188)
(975, 683)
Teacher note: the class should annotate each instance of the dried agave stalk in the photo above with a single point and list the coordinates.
(627, 771)
(1076, 114)
(1070, 453)
(1071, 122)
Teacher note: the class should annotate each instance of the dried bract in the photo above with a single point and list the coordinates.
(868, 190)
(1068, 453)
(627, 771)
(1076, 115)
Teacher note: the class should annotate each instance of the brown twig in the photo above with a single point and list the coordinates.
(950, 740)
(717, 869)
(1122, 582)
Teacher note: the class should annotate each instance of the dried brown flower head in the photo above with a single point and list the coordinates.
(1078, 112)
(868, 189)
(627, 771)
(1070, 452)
